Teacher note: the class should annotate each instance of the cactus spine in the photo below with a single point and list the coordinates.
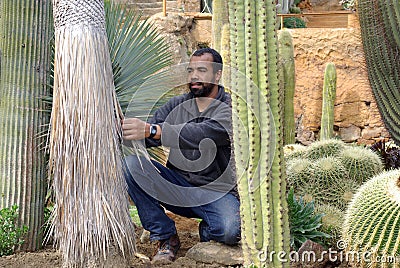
(380, 33)
(372, 219)
(254, 54)
(286, 64)
(328, 102)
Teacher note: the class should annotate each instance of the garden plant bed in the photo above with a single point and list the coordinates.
(49, 258)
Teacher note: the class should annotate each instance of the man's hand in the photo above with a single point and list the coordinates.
(135, 129)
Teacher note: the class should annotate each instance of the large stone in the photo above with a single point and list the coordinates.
(310, 255)
(213, 252)
(350, 134)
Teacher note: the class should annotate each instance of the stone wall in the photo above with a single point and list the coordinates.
(356, 114)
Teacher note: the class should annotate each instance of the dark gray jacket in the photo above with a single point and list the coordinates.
(200, 145)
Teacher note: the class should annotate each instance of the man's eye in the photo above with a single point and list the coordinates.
(189, 70)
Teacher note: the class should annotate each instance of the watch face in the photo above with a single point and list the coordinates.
(153, 130)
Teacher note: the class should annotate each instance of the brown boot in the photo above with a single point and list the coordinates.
(167, 249)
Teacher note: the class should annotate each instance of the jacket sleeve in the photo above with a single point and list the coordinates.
(190, 135)
(158, 118)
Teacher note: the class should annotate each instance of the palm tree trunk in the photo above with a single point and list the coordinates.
(92, 207)
(24, 73)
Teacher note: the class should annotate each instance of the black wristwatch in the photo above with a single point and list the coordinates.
(153, 131)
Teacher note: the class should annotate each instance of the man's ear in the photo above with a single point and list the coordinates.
(218, 75)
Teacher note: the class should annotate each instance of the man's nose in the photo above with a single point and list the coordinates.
(194, 76)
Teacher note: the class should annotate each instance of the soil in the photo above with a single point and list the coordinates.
(49, 258)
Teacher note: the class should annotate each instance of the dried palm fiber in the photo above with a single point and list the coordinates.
(91, 212)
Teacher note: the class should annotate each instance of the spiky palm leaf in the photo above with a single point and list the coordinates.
(137, 53)
(136, 50)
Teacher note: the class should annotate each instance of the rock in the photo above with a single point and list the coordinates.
(350, 134)
(309, 256)
(213, 252)
(370, 133)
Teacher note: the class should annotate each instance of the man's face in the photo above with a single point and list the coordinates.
(201, 77)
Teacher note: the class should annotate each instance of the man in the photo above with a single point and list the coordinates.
(198, 181)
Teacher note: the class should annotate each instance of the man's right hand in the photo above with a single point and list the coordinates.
(135, 129)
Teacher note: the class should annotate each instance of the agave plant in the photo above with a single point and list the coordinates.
(304, 223)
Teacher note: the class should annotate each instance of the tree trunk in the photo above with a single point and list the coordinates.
(92, 208)
(24, 75)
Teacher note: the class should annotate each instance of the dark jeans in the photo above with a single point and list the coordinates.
(153, 186)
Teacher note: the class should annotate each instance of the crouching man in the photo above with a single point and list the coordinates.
(198, 180)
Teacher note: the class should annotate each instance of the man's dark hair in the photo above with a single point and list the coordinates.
(217, 59)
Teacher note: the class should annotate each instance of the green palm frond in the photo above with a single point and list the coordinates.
(136, 49)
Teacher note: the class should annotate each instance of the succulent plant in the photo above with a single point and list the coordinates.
(324, 181)
(328, 170)
(380, 35)
(257, 112)
(298, 172)
(332, 222)
(328, 102)
(388, 152)
(288, 81)
(361, 163)
(304, 223)
(294, 151)
(372, 219)
(319, 149)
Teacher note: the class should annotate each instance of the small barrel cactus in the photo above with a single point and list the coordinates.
(361, 163)
(292, 151)
(298, 172)
(327, 183)
(319, 149)
(332, 222)
(328, 170)
(372, 222)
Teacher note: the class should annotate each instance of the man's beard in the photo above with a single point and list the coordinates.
(203, 91)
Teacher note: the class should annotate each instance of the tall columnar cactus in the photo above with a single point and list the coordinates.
(380, 32)
(371, 226)
(287, 66)
(257, 127)
(219, 19)
(226, 54)
(24, 72)
(328, 102)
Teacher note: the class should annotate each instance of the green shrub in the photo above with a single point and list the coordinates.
(11, 235)
(304, 224)
(293, 22)
(134, 215)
